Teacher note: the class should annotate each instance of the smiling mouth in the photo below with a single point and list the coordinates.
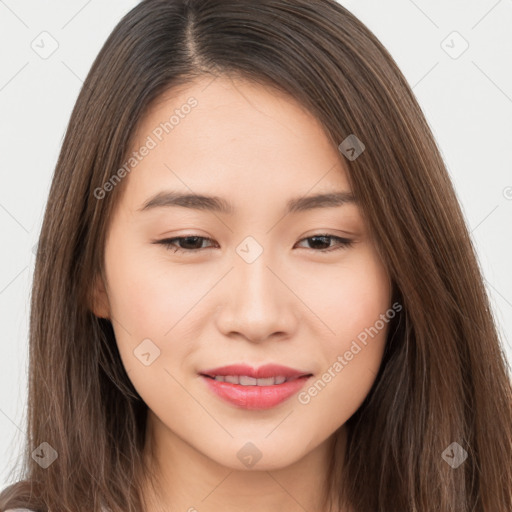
(247, 387)
(245, 380)
(247, 392)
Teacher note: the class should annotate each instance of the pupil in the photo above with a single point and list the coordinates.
(187, 240)
(323, 239)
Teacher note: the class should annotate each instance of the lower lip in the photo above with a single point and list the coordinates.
(255, 397)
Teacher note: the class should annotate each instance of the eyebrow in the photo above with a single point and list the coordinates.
(221, 205)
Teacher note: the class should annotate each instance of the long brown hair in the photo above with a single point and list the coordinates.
(444, 377)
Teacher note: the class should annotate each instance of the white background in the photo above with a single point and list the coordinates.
(467, 102)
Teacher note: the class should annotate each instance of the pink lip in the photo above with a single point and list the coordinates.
(263, 372)
(256, 397)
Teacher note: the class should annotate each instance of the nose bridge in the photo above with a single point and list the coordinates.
(257, 304)
(251, 269)
(256, 290)
(255, 283)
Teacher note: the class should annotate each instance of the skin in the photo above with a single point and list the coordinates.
(294, 305)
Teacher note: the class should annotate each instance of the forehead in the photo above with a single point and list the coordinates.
(234, 138)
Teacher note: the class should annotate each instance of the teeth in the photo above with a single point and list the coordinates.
(244, 380)
(248, 381)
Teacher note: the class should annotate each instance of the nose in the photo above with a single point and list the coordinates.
(256, 302)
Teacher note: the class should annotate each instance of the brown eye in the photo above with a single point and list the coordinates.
(320, 241)
(186, 243)
(193, 243)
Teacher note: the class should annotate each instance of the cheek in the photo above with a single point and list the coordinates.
(354, 306)
(149, 310)
(155, 308)
(352, 361)
(350, 299)
(150, 295)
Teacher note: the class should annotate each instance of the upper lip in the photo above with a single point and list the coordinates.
(262, 372)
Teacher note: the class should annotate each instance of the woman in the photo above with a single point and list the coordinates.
(192, 347)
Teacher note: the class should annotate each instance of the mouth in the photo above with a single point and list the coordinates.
(245, 380)
(249, 388)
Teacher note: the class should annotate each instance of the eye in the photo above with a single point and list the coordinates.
(193, 243)
(190, 242)
(323, 239)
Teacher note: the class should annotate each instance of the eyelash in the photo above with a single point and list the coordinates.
(168, 243)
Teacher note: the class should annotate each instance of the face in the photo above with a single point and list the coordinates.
(262, 275)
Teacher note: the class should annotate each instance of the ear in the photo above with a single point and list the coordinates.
(100, 304)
